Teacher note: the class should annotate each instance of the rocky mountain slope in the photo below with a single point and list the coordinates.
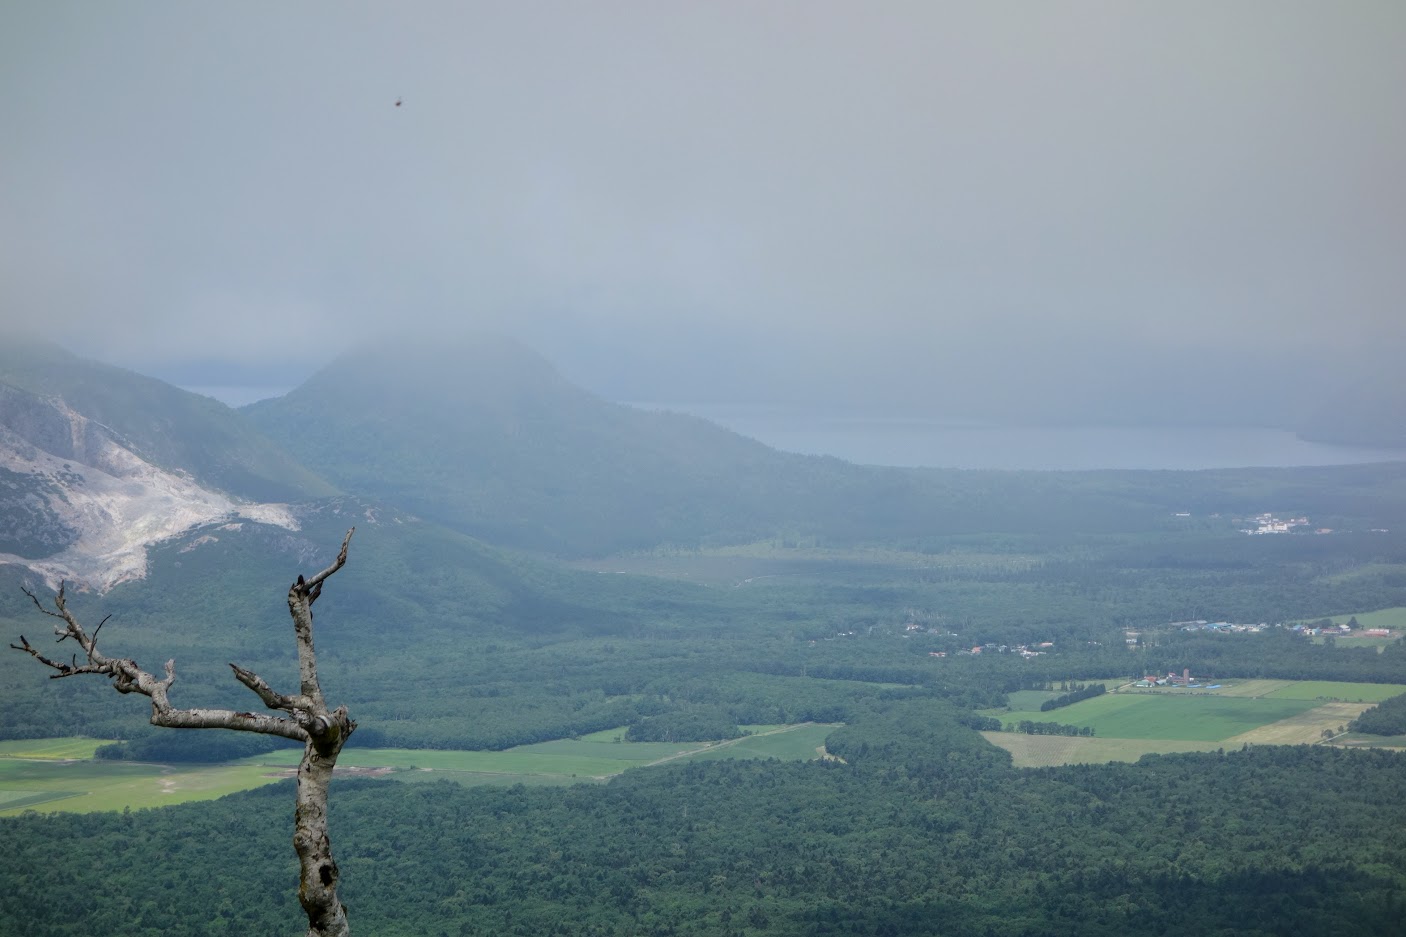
(98, 464)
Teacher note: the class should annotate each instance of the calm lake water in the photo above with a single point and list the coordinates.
(955, 444)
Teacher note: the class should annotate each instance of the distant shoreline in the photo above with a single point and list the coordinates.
(967, 444)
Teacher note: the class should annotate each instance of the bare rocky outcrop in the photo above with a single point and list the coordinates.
(83, 507)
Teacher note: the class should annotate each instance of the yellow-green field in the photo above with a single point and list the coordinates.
(47, 749)
(58, 774)
(1131, 722)
(1038, 751)
(86, 786)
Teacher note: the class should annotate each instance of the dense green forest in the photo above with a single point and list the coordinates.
(925, 830)
(506, 650)
(1386, 718)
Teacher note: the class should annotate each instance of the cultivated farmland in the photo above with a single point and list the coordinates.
(1132, 723)
(56, 774)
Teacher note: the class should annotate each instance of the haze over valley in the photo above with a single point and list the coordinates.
(802, 469)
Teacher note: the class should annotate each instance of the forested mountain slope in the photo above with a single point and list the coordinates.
(485, 436)
(431, 637)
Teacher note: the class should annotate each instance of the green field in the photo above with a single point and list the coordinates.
(1043, 751)
(1347, 692)
(1393, 618)
(1131, 722)
(796, 743)
(592, 757)
(1203, 718)
(50, 748)
(84, 786)
(1027, 700)
(44, 771)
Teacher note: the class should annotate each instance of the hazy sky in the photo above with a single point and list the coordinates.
(930, 205)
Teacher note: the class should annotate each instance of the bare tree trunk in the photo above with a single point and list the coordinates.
(318, 873)
(323, 732)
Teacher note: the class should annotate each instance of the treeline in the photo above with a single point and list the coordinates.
(1278, 654)
(694, 724)
(1077, 692)
(193, 746)
(1386, 718)
(1029, 727)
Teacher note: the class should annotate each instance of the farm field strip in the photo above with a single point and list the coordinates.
(1347, 692)
(1168, 716)
(58, 749)
(1303, 729)
(1042, 751)
(86, 785)
(1131, 722)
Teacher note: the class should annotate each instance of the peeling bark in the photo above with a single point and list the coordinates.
(323, 732)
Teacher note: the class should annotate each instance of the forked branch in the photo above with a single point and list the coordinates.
(323, 732)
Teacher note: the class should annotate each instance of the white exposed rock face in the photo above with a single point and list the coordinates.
(118, 503)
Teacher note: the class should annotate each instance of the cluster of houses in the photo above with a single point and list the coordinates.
(1269, 524)
(1221, 626)
(1184, 679)
(1344, 630)
(1024, 650)
(1348, 629)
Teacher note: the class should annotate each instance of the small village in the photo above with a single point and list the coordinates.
(1184, 680)
(1322, 628)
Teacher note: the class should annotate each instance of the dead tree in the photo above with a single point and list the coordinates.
(323, 732)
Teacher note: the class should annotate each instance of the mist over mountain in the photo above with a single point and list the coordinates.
(484, 435)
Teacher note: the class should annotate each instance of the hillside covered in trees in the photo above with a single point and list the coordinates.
(926, 830)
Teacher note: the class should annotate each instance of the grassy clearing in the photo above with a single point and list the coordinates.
(18, 801)
(530, 760)
(1134, 722)
(1205, 718)
(1305, 728)
(1041, 751)
(1028, 700)
(58, 781)
(788, 743)
(1346, 692)
(1363, 740)
(50, 748)
(86, 786)
(594, 757)
(1393, 618)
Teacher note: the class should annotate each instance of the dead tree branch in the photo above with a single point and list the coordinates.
(323, 732)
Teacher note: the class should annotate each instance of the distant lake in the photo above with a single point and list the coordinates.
(938, 443)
